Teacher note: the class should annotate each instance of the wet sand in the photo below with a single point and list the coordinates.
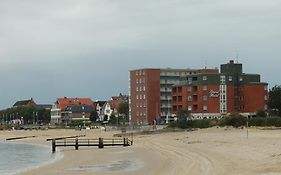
(214, 151)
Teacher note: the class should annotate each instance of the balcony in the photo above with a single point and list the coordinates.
(166, 108)
(166, 100)
(169, 76)
(166, 84)
(166, 93)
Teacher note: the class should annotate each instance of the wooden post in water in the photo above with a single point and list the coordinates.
(124, 142)
(76, 143)
(101, 143)
(53, 145)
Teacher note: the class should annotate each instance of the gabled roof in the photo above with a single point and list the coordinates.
(100, 103)
(24, 102)
(64, 102)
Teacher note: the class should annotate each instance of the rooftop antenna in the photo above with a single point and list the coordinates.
(237, 55)
(205, 62)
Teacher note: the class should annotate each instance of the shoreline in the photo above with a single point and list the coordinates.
(204, 151)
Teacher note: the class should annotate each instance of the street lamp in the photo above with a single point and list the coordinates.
(83, 116)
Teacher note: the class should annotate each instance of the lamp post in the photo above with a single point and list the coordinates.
(83, 116)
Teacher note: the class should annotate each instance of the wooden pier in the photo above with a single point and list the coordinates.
(100, 142)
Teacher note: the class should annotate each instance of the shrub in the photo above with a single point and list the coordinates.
(265, 122)
(201, 123)
(235, 120)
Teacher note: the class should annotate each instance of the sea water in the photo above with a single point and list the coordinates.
(16, 158)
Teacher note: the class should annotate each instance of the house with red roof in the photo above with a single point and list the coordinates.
(64, 110)
(110, 108)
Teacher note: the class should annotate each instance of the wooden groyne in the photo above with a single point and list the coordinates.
(67, 137)
(100, 142)
(18, 138)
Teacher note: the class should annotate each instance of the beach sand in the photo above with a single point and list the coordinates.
(213, 151)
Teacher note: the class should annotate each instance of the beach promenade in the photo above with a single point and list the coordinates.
(213, 151)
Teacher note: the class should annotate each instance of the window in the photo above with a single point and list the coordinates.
(137, 72)
(222, 78)
(205, 88)
(205, 98)
(140, 97)
(144, 96)
(205, 108)
(140, 80)
(265, 88)
(143, 88)
(204, 78)
(140, 88)
(265, 107)
(189, 89)
(137, 88)
(137, 81)
(137, 97)
(241, 79)
(189, 98)
(230, 78)
(189, 108)
(265, 97)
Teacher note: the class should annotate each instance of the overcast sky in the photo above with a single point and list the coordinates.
(85, 48)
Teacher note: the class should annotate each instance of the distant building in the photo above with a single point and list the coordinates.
(31, 104)
(110, 108)
(151, 92)
(25, 103)
(66, 109)
(99, 106)
(215, 95)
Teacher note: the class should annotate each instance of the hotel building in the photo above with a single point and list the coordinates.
(214, 95)
(151, 92)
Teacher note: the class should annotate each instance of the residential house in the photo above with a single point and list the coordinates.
(25, 103)
(66, 109)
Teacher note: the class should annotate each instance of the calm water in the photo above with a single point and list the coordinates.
(15, 158)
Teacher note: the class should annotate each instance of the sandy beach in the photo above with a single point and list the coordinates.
(214, 151)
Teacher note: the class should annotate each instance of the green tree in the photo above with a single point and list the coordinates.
(261, 113)
(183, 116)
(94, 116)
(113, 120)
(274, 101)
(123, 110)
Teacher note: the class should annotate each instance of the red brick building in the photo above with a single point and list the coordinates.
(151, 92)
(217, 94)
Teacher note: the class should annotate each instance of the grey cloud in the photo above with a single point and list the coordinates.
(85, 48)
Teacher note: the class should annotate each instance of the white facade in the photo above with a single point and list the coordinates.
(55, 114)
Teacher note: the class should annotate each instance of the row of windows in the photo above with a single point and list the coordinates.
(140, 80)
(141, 113)
(177, 73)
(141, 104)
(205, 97)
(141, 97)
(141, 88)
(140, 72)
(189, 89)
(205, 108)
